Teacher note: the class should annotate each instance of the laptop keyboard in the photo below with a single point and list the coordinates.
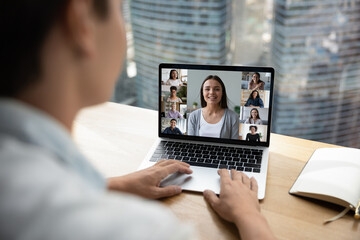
(202, 155)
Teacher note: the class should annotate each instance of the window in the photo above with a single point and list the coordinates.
(314, 47)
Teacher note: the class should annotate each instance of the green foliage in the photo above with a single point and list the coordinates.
(237, 109)
(182, 92)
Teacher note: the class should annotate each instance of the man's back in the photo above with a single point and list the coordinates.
(43, 196)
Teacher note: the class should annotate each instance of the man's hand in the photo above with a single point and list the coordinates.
(146, 182)
(238, 203)
(238, 196)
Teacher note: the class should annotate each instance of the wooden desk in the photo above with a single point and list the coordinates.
(116, 138)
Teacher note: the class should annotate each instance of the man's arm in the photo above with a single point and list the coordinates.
(179, 115)
(167, 131)
(179, 131)
(238, 203)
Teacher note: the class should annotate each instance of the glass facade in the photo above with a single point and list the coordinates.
(124, 91)
(176, 31)
(316, 53)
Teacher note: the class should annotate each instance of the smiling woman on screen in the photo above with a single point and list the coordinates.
(173, 79)
(214, 119)
(254, 117)
(254, 100)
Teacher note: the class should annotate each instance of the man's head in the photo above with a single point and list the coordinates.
(173, 90)
(173, 123)
(83, 41)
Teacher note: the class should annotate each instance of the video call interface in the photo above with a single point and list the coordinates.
(215, 104)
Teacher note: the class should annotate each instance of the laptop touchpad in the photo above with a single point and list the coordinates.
(176, 179)
(200, 180)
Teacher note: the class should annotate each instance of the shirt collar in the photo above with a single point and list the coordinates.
(33, 126)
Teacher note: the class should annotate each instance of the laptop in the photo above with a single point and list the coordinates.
(212, 117)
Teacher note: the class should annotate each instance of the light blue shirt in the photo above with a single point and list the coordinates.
(48, 190)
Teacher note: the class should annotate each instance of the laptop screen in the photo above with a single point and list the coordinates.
(228, 104)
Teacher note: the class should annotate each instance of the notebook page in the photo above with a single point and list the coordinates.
(334, 172)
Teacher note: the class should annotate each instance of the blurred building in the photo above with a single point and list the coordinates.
(124, 91)
(176, 31)
(251, 32)
(316, 52)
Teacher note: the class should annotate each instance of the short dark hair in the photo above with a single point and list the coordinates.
(173, 88)
(223, 101)
(173, 120)
(173, 71)
(253, 127)
(24, 25)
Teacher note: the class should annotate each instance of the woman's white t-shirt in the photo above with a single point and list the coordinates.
(173, 82)
(210, 130)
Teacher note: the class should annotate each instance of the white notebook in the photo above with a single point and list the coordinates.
(333, 175)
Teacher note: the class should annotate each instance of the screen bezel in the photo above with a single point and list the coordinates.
(217, 68)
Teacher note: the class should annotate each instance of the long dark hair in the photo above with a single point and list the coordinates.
(223, 101)
(24, 27)
(251, 95)
(258, 116)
